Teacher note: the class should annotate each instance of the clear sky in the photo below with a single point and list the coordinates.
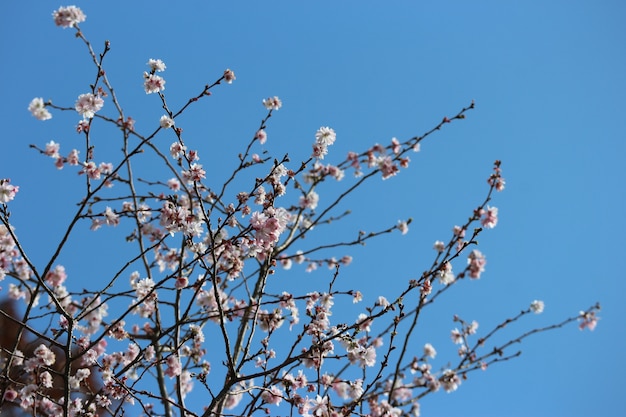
(549, 86)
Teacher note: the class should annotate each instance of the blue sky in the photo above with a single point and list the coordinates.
(548, 82)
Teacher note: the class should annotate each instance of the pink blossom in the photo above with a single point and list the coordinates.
(261, 136)
(156, 65)
(309, 201)
(45, 379)
(477, 262)
(177, 150)
(490, 217)
(166, 122)
(429, 351)
(82, 126)
(7, 191)
(471, 329)
(325, 136)
(56, 276)
(403, 227)
(588, 320)
(105, 167)
(268, 229)
(366, 356)
(174, 367)
(229, 76)
(458, 231)
(439, 246)
(456, 336)
(193, 155)
(320, 406)
(38, 109)
(395, 146)
(91, 170)
(153, 83)
(88, 104)
(68, 16)
(364, 322)
(537, 306)
(272, 396)
(446, 276)
(450, 380)
(72, 158)
(194, 174)
(110, 217)
(387, 167)
(45, 355)
(272, 103)
(319, 151)
(10, 395)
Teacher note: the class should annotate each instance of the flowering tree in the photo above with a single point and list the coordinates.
(193, 321)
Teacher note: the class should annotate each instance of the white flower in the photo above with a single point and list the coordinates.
(325, 136)
(536, 307)
(272, 103)
(439, 246)
(450, 380)
(166, 122)
(38, 109)
(229, 76)
(153, 83)
(156, 65)
(68, 16)
(7, 191)
(87, 105)
(429, 351)
(446, 276)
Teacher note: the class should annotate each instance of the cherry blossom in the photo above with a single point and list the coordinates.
(68, 16)
(272, 103)
(490, 217)
(309, 201)
(325, 136)
(174, 367)
(261, 136)
(56, 276)
(38, 109)
(429, 351)
(153, 83)
(166, 122)
(156, 65)
(7, 191)
(229, 76)
(439, 246)
(88, 104)
(177, 150)
(403, 227)
(194, 173)
(476, 263)
(210, 257)
(45, 355)
(446, 276)
(588, 320)
(387, 167)
(273, 395)
(450, 380)
(537, 307)
(456, 336)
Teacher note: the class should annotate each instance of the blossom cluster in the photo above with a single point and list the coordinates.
(68, 16)
(38, 109)
(207, 260)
